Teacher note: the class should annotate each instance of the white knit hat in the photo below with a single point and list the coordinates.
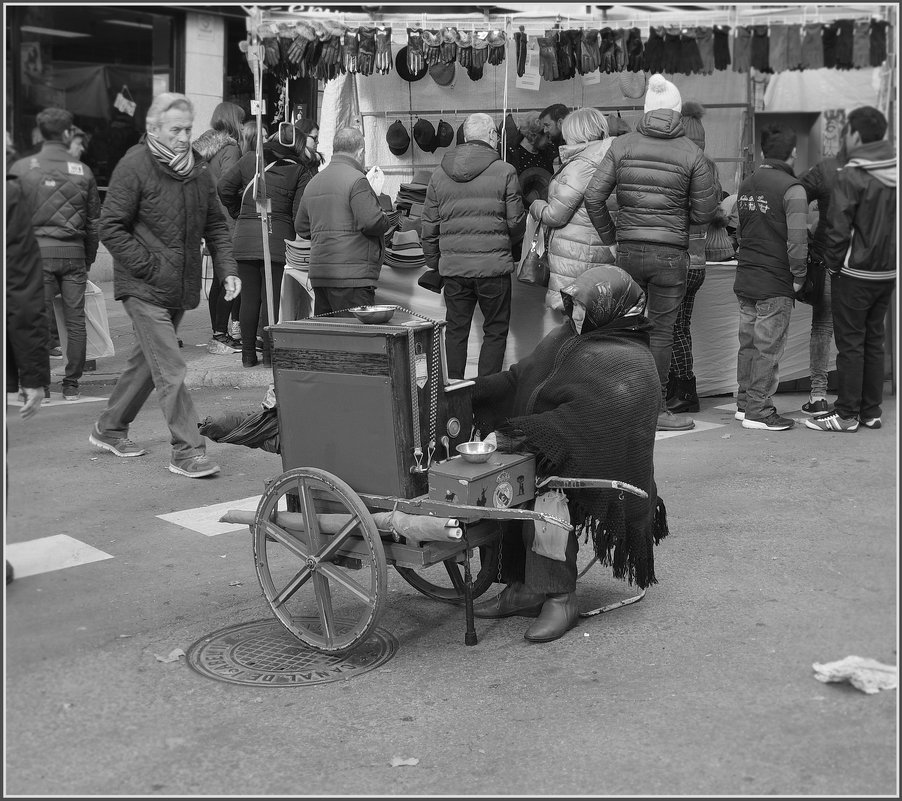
(661, 93)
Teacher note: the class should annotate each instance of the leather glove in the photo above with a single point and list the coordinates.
(464, 49)
(561, 42)
(449, 45)
(575, 37)
(520, 41)
(415, 60)
(480, 52)
(366, 50)
(329, 58)
(432, 47)
(311, 58)
(547, 59)
(619, 50)
(497, 45)
(349, 51)
(297, 49)
(271, 53)
(607, 50)
(383, 50)
(590, 54)
(634, 50)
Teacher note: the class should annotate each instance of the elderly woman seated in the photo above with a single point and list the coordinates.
(585, 402)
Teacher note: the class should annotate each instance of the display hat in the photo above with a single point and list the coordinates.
(444, 135)
(442, 74)
(692, 113)
(662, 94)
(460, 134)
(534, 183)
(403, 69)
(406, 240)
(397, 138)
(424, 135)
(632, 84)
(420, 179)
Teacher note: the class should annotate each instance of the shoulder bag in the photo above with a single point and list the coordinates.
(533, 268)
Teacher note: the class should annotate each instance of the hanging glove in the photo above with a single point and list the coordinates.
(296, 50)
(449, 45)
(383, 50)
(415, 61)
(271, 52)
(349, 51)
(575, 37)
(497, 45)
(547, 58)
(634, 50)
(366, 50)
(561, 44)
(464, 48)
(480, 56)
(330, 58)
(619, 50)
(311, 58)
(520, 41)
(432, 47)
(607, 50)
(589, 53)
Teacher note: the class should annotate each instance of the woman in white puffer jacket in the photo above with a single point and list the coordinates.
(573, 243)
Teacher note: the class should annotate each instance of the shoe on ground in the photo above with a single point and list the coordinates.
(740, 415)
(235, 330)
(56, 353)
(46, 396)
(833, 421)
(219, 348)
(514, 599)
(228, 342)
(195, 467)
(773, 422)
(818, 406)
(559, 614)
(70, 393)
(871, 422)
(668, 421)
(119, 446)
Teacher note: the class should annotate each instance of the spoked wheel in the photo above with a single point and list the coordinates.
(445, 580)
(319, 559)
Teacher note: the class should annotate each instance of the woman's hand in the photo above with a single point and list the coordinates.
(536, 209)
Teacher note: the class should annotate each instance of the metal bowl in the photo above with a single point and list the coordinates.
(373, 314)
(476, 452)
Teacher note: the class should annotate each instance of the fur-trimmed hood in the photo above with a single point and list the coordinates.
(210, 142)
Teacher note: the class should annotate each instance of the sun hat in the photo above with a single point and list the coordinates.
(397, 138)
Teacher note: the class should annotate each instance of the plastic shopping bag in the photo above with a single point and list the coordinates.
(100, 345)
(550, 539)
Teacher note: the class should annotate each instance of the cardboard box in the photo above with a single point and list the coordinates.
(505, 480)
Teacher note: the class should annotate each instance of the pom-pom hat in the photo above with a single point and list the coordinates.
(661, 93)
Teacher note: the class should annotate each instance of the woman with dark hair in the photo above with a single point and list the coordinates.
(287, 170)
(220, 147)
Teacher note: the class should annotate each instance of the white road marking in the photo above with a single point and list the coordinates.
(700, 425)
(56, 399)
(205, 519)
(46, 554)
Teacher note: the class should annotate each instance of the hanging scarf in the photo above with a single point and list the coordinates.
(181, 163)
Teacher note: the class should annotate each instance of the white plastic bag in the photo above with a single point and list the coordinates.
(376, 178)
(550, 539)
(100, 345)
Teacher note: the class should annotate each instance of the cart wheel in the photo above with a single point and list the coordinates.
(445, 580)
(328, 590)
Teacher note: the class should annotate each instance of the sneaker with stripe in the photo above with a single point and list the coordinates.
(871, 422)
(833, 421)
(118, 446)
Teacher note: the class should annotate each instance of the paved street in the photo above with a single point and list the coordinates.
(782, 553)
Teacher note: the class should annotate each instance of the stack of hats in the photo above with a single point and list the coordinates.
(297, 253)
(405, 251)
(412, 196)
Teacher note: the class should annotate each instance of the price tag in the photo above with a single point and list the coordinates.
(258, 106)
(530, 78)
(422, 369)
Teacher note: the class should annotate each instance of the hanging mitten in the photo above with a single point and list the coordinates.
(464, 49)
(383, 51)
(415, 60)
(349, 51)
(520, 41)
(547, 58)
(449, 45)
(634, 50)
(607, 50)
(366, 50)
(497, 45)
(432, 47)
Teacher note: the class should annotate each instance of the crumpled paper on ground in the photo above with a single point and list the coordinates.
(867, 675)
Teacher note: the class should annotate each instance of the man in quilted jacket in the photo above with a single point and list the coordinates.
(663, 184)
(65, 203)
(160, 203)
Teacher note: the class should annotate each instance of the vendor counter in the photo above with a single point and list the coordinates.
(715, 321)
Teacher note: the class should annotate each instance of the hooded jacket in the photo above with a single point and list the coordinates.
(472, 214)
(663, 185)
(222, 153)
(861, 229)
(573, 243)
(152, 223)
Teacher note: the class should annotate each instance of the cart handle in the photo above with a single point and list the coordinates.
(558, 482)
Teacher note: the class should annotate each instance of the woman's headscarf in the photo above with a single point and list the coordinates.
(608, 295)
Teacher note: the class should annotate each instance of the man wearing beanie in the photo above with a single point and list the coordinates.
(664, 184)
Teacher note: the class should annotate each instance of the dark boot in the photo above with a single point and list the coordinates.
(559, 614)
(248, 357)
(514, 599)
(686, 399)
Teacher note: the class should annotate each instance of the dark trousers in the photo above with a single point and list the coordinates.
(220, 308)
(69, 278)
(329, 299)
(519, 563)
(253, 305)
(859, 311)
(494, 298)
(682, 363)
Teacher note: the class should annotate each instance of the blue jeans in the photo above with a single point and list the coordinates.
(494, 298)
(661, 271)
(763, 328)
(69, 278)
(859, 312)
(155, 362)
(819, 344)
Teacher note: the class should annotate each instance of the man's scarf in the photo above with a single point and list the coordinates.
(181, 163)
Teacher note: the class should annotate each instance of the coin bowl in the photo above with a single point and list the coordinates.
(476, 452)
(373, 314)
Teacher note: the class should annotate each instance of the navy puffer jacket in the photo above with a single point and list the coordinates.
(152, 223)
(473, 213)
(663, 181)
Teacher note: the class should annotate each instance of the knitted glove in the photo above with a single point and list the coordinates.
(520, 41)
(589, 52)
(547, 59)
(432, 47)
(349, 51)
(634, 50)
(415, 60)
(607, 50)
(449, 45)
(464, 49)
(366, 51)
(383, 50)
(496, 40)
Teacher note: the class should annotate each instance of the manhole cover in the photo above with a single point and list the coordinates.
(262, 653)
